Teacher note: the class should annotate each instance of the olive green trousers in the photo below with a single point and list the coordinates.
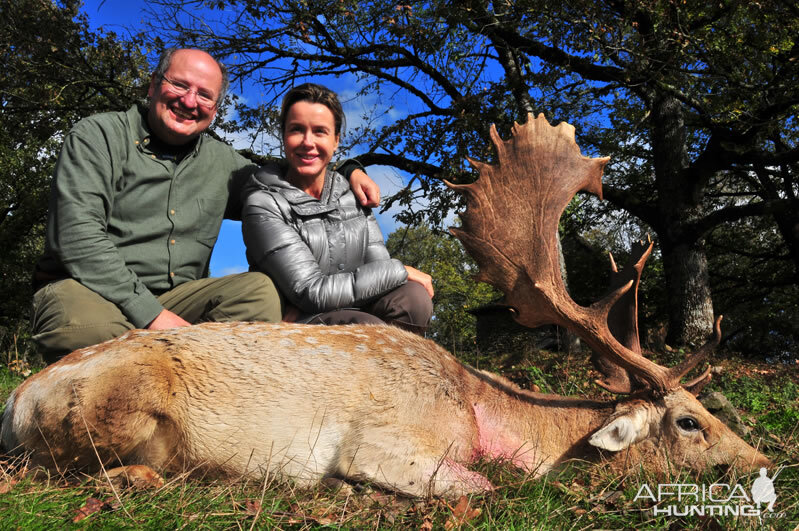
(67, 315)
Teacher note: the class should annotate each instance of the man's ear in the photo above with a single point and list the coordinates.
(621, 432)
(153, 84)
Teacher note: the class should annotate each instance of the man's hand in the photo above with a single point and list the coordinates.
(365, 189)
(167, 319)
(414, 275)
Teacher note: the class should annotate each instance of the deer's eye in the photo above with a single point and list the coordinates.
(688, 424)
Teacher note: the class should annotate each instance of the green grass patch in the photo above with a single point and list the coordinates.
(577, 497)
(759, 394)
(8, 382)
(780, 420)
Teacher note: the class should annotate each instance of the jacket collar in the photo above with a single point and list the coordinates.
(272, 178)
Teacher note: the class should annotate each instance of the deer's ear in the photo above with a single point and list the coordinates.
(620, 432)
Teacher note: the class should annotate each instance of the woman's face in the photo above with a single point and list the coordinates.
(310, 139)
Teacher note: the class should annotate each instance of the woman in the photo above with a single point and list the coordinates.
(304, 227)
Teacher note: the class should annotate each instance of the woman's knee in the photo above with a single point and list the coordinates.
(345, 316)
(421, 305)
(409, 304)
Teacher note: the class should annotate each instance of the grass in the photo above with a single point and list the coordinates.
(579, 496)
(8, 381)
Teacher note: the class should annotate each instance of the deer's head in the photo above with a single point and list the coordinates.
(673, 431)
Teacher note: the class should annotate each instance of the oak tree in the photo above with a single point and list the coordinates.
(55, 72)
(691, 100)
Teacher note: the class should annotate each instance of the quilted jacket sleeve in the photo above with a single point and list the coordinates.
(275, 247)
(375, 249)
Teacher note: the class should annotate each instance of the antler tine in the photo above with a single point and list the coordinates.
(623, 320)
(696, 385)
(611, 386)
(623, 317)
(678, 371)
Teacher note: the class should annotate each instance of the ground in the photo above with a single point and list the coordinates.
(577, 497)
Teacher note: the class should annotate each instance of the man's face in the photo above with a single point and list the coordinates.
(178, 119)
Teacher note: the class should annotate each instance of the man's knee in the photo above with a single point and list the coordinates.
(250, 297)
(67, 316)
(422, 304)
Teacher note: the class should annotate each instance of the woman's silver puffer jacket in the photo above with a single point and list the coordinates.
(322, 254)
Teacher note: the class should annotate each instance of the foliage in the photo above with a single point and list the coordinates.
(757, 394)
(686, 98)
(761, 306)
(443, 257)
(55, 72)
(768, 394)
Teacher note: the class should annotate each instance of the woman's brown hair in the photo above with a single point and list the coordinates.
(312, 93)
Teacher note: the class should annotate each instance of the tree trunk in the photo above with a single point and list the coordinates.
(689, 302)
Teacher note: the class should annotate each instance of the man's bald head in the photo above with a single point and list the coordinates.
(166, 59)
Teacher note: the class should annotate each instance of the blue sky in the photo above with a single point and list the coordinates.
(228, 256)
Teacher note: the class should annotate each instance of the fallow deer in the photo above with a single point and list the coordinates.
(375, 403)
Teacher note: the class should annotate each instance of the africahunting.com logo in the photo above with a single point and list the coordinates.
(718, 499)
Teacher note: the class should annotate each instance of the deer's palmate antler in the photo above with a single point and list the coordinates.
(510, 227)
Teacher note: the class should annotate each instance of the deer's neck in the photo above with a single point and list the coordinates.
(535, 431)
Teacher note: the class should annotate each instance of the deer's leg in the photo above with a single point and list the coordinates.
(451, 479)
(77, 440)
(156, 445)
(415, 474)
(68, 420)
(129, 437)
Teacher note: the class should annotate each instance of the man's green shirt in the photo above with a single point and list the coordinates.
(130, 223)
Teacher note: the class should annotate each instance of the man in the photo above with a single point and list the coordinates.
(137, 201)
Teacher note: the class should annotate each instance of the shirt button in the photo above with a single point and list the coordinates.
(172, 274)
(152, 157)
(172, 212)
(172, 242)
(341, 267)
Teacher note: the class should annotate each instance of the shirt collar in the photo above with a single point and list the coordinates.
(141, 134)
